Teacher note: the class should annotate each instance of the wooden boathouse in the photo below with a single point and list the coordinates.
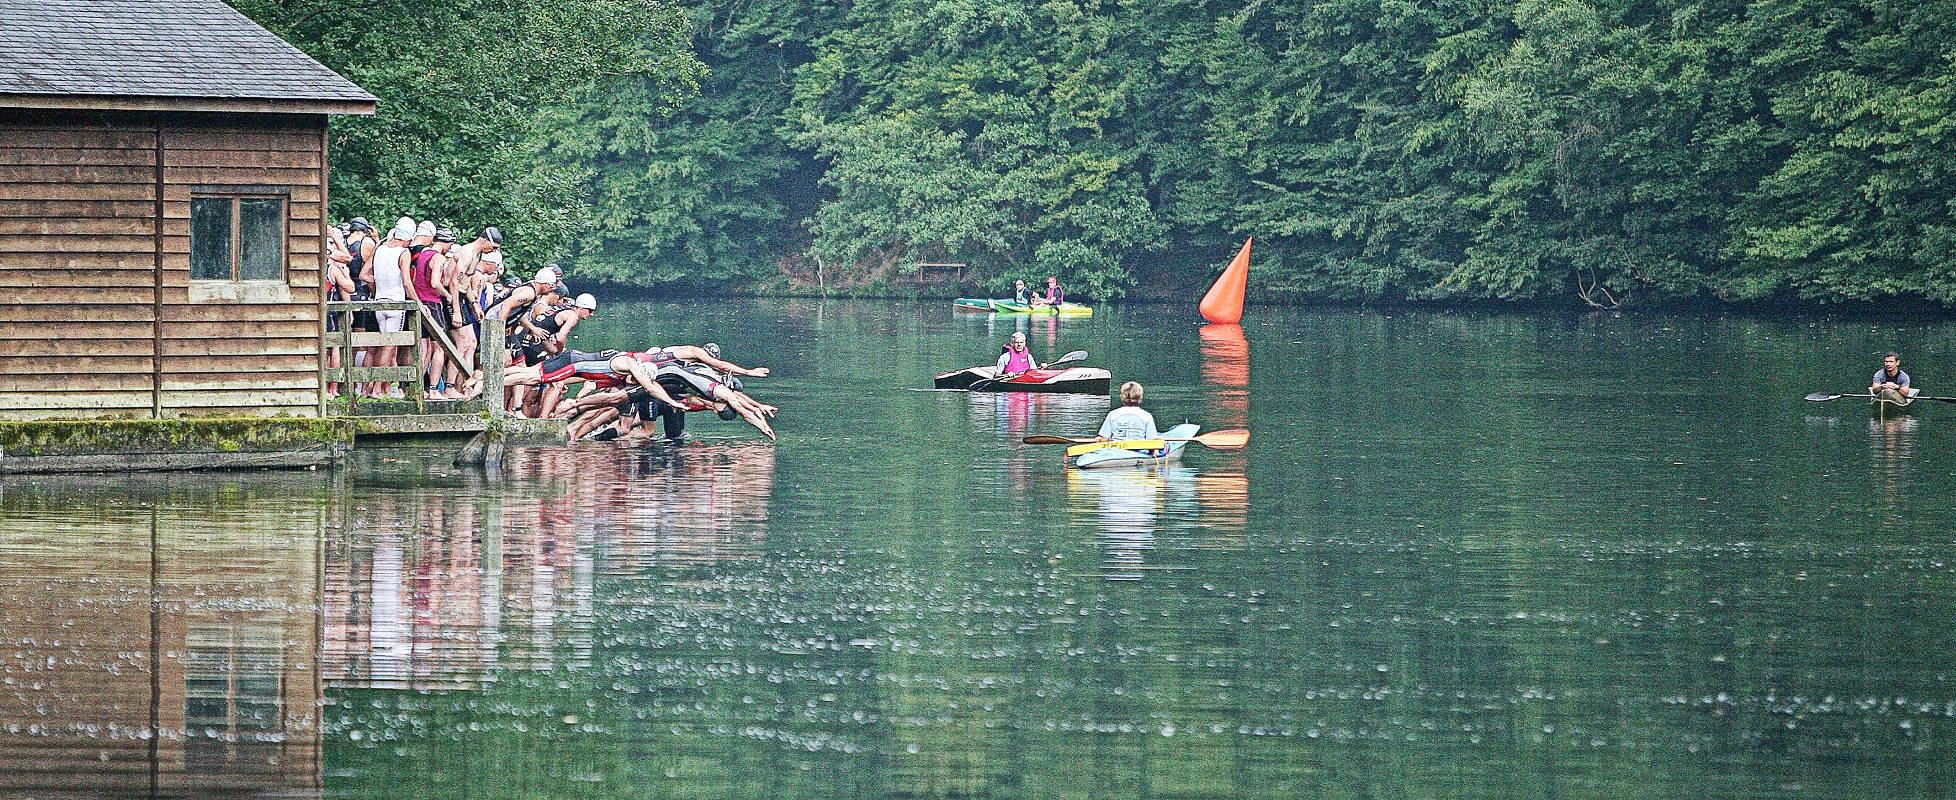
(163, 173)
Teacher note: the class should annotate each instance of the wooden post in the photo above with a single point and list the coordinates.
(491, 358)
(417, 387)
(348, 390)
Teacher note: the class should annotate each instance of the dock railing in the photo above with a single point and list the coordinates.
(490, 355)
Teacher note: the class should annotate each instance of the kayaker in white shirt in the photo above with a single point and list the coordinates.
(1129, 422)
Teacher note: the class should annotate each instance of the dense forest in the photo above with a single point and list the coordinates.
(1562, 151)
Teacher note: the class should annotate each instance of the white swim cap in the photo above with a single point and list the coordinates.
(547, 275)
(587, 301)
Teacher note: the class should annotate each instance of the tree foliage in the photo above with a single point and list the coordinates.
(468, 91)
(1567, 151)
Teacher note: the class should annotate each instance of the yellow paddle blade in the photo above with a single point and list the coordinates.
(1134, 444)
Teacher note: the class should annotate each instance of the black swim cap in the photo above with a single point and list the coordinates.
(493, 235)
(360, 224)
(729, 414)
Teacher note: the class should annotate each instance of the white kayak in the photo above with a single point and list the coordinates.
(1117, 456)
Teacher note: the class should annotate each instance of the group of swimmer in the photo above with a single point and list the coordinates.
(463, 287)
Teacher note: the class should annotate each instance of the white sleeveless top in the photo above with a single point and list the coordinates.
(387, 273)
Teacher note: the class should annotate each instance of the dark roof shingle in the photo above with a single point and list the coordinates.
(190, 49)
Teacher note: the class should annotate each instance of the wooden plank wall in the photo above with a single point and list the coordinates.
(77, 268)
(243, 358)
(79, 247)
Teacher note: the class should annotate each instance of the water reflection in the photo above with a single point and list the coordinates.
(160, 637)
(1892, 439)
(1494, 591)
(448, 586)
(1131, 508)
(1226, 372)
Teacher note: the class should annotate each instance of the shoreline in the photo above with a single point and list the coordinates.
(1911, 310)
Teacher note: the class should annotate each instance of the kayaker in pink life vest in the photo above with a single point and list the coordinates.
(1015, 359)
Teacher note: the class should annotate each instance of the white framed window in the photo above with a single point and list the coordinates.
(237, 245)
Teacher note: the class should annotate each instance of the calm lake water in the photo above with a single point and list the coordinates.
(1465, 556)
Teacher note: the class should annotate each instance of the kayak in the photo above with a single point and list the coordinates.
(1080, 380)
(974, 304)
(1064, 310)
(1143, 453)
(1890, 401)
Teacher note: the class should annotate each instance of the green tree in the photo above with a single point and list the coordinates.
(466, 90)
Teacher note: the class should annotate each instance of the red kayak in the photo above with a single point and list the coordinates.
(1076, 380)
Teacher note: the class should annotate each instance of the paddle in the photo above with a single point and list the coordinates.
(1221, 440)
(1823, 396)
(983, 384)
(1137, 444)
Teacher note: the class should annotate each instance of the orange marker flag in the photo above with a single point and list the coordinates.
(1224, 302)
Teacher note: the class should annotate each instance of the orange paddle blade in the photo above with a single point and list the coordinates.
(1223, 440)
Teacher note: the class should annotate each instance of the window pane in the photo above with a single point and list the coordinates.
(261, 234)
(210, 238)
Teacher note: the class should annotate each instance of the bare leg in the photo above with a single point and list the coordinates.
(590, 422)
(464, 347)
(437, 361)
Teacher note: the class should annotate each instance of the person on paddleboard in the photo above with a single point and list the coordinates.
(1129, 422)
(1891, 378)
(1016, 358)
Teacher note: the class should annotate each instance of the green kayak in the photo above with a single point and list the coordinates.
(1064, 309)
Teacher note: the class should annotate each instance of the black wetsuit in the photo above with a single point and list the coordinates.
(362, 320)
(643, 405)
(534, 347)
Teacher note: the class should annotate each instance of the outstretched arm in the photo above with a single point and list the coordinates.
(689, 352)
(755, 412)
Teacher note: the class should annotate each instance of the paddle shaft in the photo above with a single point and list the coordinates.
(1077, 355)
(1823, 396)
(1221, 440)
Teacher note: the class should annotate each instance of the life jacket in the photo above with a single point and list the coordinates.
(1017, 361)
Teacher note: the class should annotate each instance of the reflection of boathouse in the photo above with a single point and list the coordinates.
(162, 206)
(168, 647)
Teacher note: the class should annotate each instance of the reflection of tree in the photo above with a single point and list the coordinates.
(160, 635)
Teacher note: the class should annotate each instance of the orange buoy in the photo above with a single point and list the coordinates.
(1224, 302)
